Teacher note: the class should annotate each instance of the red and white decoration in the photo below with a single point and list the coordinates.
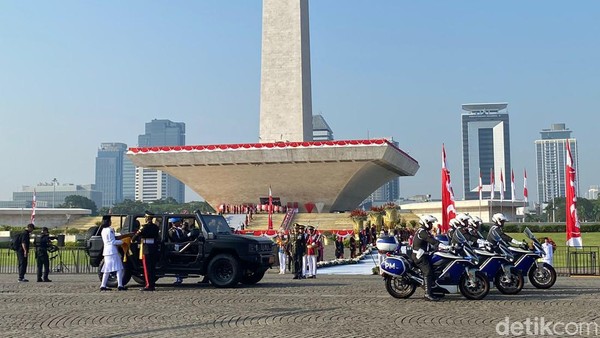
(270, 225)
(33, 203)
(448, 207)
(512, 185)
(573, 230)
(492, 184)
(480, 187)
(525, 192)
(501, 186)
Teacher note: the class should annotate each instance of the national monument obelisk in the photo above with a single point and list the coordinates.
(285, 91)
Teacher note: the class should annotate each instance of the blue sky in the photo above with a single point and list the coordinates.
(74, 74)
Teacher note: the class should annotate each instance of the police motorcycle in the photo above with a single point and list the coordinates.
(496, 261)
(541, 275)
(454, 270)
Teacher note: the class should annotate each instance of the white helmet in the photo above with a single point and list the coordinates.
(463, 218)
(475, 222)
(499, 219)
(427, 221)
(454, 223)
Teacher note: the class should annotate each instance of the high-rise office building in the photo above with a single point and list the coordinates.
(150, 184)
(128, 179)
(486, 149)
(551, 161)
(321, 130)
(109, 173)
(53, 194)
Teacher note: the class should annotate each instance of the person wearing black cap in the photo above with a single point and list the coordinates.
(23, 250)
(298, 250)
(42, 244)
(148, 235)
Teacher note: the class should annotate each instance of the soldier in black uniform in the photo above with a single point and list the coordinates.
(23, 250)
(42, 244)
(298, 250)
(424, 244)
(148, 235)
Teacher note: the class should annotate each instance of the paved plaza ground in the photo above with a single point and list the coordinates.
(329, 306)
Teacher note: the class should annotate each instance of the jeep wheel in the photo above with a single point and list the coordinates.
(112, 279)
(252, 277)
(224, 271)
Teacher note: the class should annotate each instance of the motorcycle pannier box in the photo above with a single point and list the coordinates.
(387, 243)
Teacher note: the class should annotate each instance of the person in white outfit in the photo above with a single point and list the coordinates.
(282, 250)
(112, 259)
(549, 257)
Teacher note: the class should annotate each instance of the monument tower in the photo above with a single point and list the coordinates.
(285, 91)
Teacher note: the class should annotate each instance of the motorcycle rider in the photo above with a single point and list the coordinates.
(474, 223)
(499, 219)
(424, 244)
(461, 223)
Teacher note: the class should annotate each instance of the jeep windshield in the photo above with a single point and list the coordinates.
(217, 224)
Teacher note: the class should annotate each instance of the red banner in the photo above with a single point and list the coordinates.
(573, 231)
(448, 208)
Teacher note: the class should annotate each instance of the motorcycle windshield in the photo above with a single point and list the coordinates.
(459, 237)
(496, 236)
(531, 236)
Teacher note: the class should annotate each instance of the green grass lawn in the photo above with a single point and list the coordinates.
(560, 238)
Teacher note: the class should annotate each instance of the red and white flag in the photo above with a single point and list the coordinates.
(512, 185)
(480, 187)
(270, 227)
(501, 186)
(33, 203)
(448, 208)
(492, 184)
(525, 192)
(573, 229)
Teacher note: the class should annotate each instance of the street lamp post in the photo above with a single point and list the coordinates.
(54, 182)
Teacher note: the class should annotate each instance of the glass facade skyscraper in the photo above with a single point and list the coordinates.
(109, 173)
(551, 161)
(486, 148)
(152, 184)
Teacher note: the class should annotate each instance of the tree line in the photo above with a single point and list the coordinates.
(164, 205)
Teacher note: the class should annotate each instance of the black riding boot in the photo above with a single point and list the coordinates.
(428, 284)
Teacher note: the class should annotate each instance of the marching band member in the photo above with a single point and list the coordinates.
(312, 245)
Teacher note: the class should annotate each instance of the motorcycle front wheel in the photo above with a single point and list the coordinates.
(476, 289)
(399, 287)
(509, 285)
(542, 278)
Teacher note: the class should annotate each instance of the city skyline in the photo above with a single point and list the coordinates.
(72, 80)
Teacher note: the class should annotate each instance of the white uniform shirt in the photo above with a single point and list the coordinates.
(110, 243)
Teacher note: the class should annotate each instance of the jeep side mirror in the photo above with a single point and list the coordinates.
(211, 235)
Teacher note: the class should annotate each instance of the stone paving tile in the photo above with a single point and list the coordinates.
(338, 306)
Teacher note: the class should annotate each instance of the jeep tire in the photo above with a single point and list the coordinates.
(224, 271)
(252, 277)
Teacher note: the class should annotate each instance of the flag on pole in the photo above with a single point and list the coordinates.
(448, 208)
(573, 230)
(270, 227)
(480, 187)
(525, 192)
(501, 186)
(492, 184)
(33, 203)
(512, 185)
